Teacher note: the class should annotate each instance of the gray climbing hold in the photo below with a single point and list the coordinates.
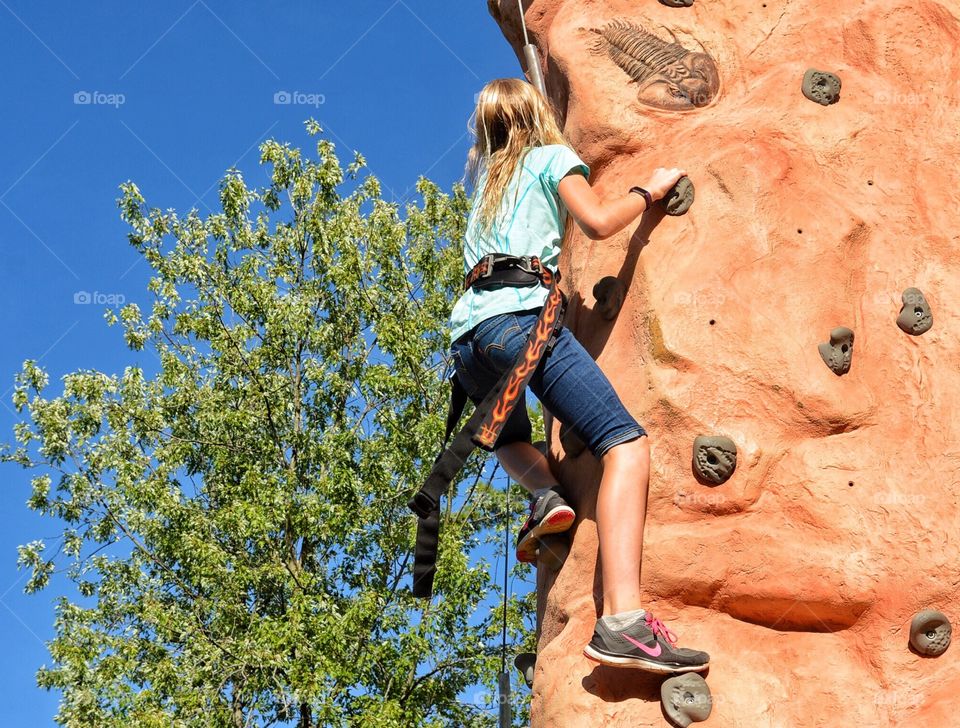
(838, 352)
(609, 292)
(552, 550)
(915, 316)
(679, 198)
(572, 444)
(677, 3)
(930, 632)
(525, 662)
(821, 86)
(686, 699)
(714, 458)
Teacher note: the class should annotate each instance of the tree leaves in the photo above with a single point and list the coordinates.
(236, 523)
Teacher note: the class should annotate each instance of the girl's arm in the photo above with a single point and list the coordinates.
(602, 218)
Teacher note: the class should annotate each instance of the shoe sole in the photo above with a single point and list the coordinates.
(556, 521)
(640, 663)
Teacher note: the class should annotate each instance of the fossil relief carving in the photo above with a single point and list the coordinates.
(669, 76)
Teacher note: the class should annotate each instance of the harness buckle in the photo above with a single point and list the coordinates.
(530, 264)
(422, 504)
(487, 261)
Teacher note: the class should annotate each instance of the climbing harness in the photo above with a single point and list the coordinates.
(499, 269)
(485, 424)
(532, 55)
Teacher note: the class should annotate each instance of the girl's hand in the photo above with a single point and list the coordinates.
(662, 180)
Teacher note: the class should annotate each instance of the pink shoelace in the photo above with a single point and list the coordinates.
(659, 628)
(533, 506)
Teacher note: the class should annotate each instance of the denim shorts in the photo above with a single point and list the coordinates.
(568, 382)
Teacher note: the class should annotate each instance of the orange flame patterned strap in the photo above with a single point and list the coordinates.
(525, 365)
(478, 270)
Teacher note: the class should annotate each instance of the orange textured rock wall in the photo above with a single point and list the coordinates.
(800, 574)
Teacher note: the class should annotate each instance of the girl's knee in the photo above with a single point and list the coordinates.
(637, 449)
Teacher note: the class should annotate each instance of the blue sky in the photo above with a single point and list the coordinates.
(170, 95)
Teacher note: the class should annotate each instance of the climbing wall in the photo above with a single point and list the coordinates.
(790, 343)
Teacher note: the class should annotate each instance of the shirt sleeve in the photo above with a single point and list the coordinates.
(563, 161)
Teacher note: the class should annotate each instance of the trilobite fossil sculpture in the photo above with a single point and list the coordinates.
(686, 699)
(930, 632)
(820, 86)
(609, 292)
(838, 352)
(714, 458)
(915, 316)
(669, 76)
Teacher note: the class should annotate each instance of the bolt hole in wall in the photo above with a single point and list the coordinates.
(850, 483)
(869, 181)
(713, 321)
(799, 231)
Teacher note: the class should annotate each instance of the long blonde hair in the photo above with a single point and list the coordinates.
(511, 115)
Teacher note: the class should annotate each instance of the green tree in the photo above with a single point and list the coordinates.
(235, 524)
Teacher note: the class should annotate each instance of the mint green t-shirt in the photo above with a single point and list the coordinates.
(530, 221)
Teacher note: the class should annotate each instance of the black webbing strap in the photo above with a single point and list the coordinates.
(458, 400)
(481, 430)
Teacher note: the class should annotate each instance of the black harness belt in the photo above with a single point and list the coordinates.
(485, 424)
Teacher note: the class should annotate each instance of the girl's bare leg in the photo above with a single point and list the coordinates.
(621, 514)
(526, 465)
(621, 511)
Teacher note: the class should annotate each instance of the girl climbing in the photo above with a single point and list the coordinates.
(526, 179)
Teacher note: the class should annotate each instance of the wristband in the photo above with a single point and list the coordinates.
(646, 195)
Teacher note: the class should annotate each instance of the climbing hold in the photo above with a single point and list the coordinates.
(930, 632)
(714, 458)
(553, 550)
(525, 662)
(609, 292)
(821, 86)
(677, 3)
(838, 353)
(680, 197)
(572, 444)
(686, 699)
(915, 316)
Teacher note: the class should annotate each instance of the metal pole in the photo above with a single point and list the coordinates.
(532, 56)
(534, 71)
(506, 715)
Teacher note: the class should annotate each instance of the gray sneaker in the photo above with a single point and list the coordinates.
(646, 644)
(548, 514)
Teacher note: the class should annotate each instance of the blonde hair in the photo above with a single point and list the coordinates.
(511, 115)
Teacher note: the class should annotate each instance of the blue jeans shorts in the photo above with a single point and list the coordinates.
(568, 382)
